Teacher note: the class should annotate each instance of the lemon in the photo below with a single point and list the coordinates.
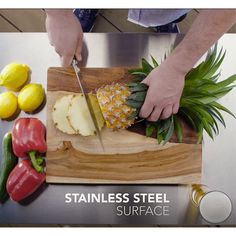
(8, 105)
(14, 76)
(31, 97)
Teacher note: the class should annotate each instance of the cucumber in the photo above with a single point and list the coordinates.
(9, 161)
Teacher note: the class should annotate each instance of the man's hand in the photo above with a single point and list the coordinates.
(65, 34)
(167, 81)
(165, 88)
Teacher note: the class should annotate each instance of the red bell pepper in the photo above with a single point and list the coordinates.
(28, 139)
(23, 181)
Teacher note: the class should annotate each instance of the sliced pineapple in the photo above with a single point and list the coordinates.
(60, 113)
(79, 116)
(96, 109)
(112, 100)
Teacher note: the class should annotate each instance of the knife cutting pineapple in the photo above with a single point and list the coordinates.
(117, 105)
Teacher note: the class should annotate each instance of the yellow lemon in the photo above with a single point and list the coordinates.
(31, 97)
(8, 105)
(14, 76)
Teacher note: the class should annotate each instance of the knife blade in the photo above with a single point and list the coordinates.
(88, 103)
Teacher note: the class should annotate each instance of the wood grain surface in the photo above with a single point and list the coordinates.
(129, 156)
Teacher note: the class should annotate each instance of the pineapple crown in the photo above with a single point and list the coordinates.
(198, 103)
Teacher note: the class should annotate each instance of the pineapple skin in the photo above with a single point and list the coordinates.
(112, 101)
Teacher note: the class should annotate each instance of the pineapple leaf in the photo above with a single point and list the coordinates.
(206, 118)
(203, 100)
(220, 107)
(208, 67)
(140, 87)
(135, 70)
(196, 93)
(189, 117)
(178, 129)
(188, 101)
(215, 77)
(149, 129)
(164, 125)
(158, 135)
(190, 84)
(221, 85)
(207, 127)
(159, 138)
(170, 131)
(198, 103)
(138, 79)
(130, 85)
(200, 133)
(223, 92)
(211, 51)
(147, 68)
(139, 73)
(134, 104)
(154, 62)
(138, 96)
(217, 114)
(203, 114)
(216, 128)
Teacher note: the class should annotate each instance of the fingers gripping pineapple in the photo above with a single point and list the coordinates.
(118, 105)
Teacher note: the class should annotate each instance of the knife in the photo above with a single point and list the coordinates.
(90, 108)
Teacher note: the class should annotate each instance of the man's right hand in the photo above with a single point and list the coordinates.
(65, 34)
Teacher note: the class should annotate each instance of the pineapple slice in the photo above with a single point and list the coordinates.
(71, 115)
(96, 109)
(79, 116)
(59, 115)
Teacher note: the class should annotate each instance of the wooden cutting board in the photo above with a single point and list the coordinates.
(129, 156)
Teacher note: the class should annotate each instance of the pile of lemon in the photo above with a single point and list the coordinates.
(15, 78)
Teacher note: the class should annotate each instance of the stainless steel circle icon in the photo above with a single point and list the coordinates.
(215, 207)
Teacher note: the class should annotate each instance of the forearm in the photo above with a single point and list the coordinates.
(208, 27)
(60, 24)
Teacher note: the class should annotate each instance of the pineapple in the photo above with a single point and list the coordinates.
(120, 103)
(96, 110)
(112, 100)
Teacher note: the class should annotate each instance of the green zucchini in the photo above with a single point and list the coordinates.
(9, 161)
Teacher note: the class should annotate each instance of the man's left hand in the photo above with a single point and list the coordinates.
(166, 84)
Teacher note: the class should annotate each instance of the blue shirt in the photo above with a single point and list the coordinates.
(155, 17)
